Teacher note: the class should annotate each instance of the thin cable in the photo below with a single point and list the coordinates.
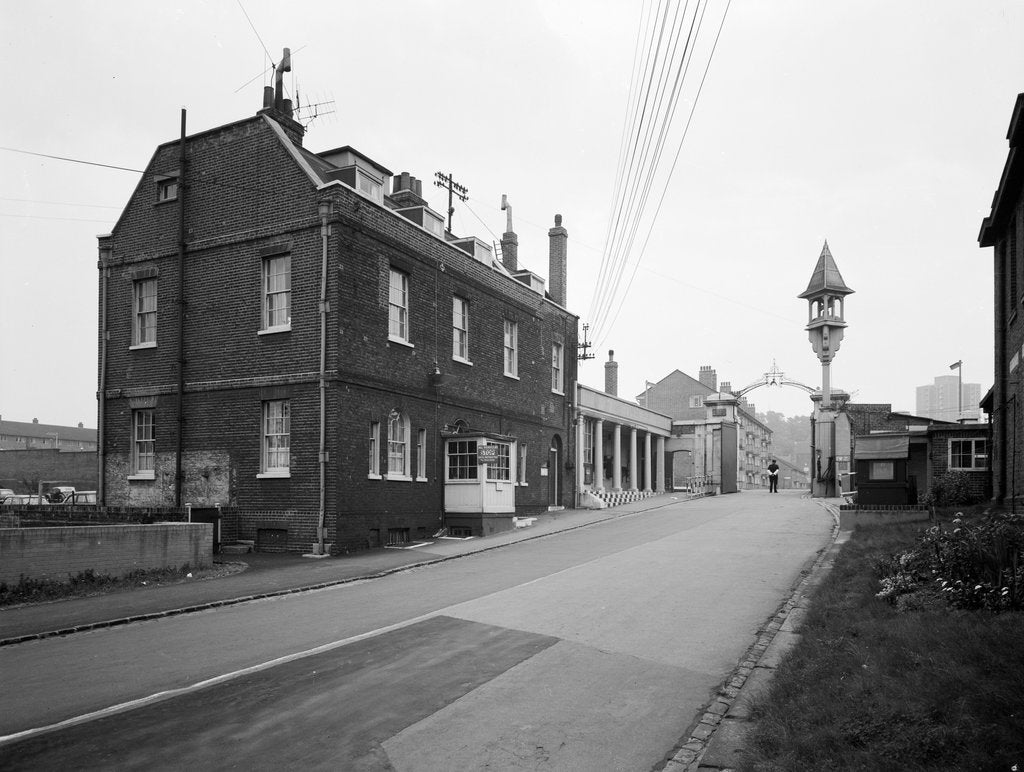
(72, 160)
(44, 217)
(626, 246)
(661, 201)
(58, 203)
(644, 167)
(257, 34)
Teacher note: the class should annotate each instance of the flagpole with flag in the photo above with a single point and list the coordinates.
(958, 365)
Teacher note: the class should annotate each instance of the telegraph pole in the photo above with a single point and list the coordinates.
(454, 189)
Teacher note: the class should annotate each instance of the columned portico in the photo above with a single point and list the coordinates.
(647, 462)
(617, 458)
(661, 465)
(614, 466)
(632, 460)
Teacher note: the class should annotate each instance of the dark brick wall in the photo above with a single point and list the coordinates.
(21, 470)
(249, 196)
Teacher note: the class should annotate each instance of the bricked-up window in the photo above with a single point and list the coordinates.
(144, 312)
(460, 329)
(277, 293)
(398, 306)
(276, 437)
(500, 469)
(421, 454)
(521, 465)
(374, 444)
(398, 446)
(557, 374)
(143, 444)
(970, 455)
(511, 348)
(462, 462)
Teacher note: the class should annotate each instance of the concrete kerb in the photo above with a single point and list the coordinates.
(644, 505)
(720, 733)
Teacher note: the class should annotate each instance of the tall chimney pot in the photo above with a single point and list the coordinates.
(558, 238)
(611, 375)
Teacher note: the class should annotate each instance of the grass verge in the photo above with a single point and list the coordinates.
(88, 583)
(873, 686)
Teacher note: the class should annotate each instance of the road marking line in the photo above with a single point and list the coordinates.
(225, 677)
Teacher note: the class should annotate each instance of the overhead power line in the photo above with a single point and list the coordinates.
(666, 43)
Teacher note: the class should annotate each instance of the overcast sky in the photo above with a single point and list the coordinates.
(879, 126)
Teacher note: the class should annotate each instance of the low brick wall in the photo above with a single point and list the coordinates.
(851, 515)
(111, 550)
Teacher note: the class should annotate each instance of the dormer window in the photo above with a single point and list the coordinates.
(369, 186)
(166, 189)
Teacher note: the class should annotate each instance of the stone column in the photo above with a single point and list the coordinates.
(647, 462)
(598, 455)
(660, 466)
(633, 476)
(617, 458)
(580, 431)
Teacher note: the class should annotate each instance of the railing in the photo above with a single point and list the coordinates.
(699, 485)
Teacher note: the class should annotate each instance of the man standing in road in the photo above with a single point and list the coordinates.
(773, 477)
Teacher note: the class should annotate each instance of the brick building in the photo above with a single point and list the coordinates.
(281, 335)
(703, 443)
(1003, 230)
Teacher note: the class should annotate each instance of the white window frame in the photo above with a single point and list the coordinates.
(421, 455)
(398, 307)
(467, 471)
(521, 464)
(976, 457)
(511, 349)
(697, 400)
(460, 330)
(144, 316)
(374, 450)
(502, 471)
(369, 186)
(557, 371)
(398, 447)
(143, 444)
(275, 439)
(273, 320)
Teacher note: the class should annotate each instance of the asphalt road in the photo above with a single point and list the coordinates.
(588, 650)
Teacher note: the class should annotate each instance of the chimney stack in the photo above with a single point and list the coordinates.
(509, 240)
(708, 377)
(558, 238)
(611, 375)
(407, 191)
(726, 387)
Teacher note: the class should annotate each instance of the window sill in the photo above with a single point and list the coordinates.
(400, 341)
(398, 477)
(138, 346)
(462, 361)
(161, 202)
(513, 377)
(523, 485)
(468, 481)
(275, 330)
(559, 393)
(274, 475)
(421, 480)
(373, 476)
(142, 476)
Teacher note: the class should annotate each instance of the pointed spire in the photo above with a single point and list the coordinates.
(826, 277)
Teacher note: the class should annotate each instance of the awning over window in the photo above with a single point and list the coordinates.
(877, 446)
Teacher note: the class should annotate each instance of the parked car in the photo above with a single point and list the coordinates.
(5, 493)
(60, 494)
(26, 498)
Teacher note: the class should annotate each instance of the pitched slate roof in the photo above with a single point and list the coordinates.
(826, 276)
